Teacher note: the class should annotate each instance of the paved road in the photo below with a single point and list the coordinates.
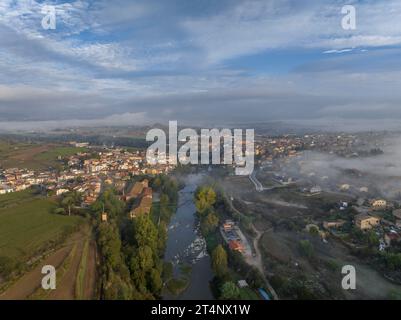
(256, 182)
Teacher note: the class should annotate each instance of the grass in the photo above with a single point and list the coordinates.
(34, 156)
(54, 153)
(28, 227)
(40, 293)
(79, 281)
(248, 294)
(16, 198)
(176, 286)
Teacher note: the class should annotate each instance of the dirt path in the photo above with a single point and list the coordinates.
(31, 281)
(91, 272)
(66, 287)
(66, 260)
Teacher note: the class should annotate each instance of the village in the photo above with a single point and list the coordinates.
(85, 173)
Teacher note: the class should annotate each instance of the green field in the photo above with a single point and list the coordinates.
(34, 156)
(54, 153)
(27, 225)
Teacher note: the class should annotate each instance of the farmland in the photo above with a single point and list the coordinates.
(32, 236)
(75, 263)
(27, 225)
(33, 155)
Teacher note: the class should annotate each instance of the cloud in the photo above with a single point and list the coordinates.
(173, 59)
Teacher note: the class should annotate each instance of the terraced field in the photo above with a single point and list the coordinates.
(75, 264)
(28, 226)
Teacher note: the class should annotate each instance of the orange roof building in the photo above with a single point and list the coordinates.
(236, 246)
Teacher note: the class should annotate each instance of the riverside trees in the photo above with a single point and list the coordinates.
(131, 250)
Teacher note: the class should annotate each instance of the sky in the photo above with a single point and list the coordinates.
(199, 62)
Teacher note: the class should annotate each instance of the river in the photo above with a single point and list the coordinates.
(186, 245)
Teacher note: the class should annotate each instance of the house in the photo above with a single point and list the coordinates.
(61, 191)
(316, 189)
(6, 189)
(228, 225)
(333, 224)
(364, 221)
(137, 189)
(104, 217)
(145, 204)
(379, 204)
(236, 245)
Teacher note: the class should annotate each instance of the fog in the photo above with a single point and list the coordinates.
(381, 174)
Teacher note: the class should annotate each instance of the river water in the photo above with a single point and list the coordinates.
(186, 245)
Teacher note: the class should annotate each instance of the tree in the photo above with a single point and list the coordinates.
(145, 232)
(210, 223)
(372, 239)
(219, 261)
(161, 241)
(68, 202)
(205, 198)
(306, 248)
(229, 291)
(145, 258)
(314, 231)
(109, 202)
(156, 282)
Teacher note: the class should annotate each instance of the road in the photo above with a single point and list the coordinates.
(256, 261)
(258, 185)
(256, 182)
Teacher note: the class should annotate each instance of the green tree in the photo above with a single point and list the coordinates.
(314, 231)
(161, 241)
(210, 223)
(109, 202)
(67, 203)
(145, 258)
(372, 239)
(306, 248)
(219, 261)
(156, 282)
(145, 232)
(205, 198)
(229, 291)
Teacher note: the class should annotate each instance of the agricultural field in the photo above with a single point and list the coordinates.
(32, 236)
(33, 156)
(28, 226)
(76, 272)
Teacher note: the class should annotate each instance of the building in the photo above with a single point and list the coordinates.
(364, 221)
(236, 245)
(137, 189)
(145, 203)
(333, 224)
(316, 189)
(104, 217)
(228, 225)
(61, 191)
(379, 204)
